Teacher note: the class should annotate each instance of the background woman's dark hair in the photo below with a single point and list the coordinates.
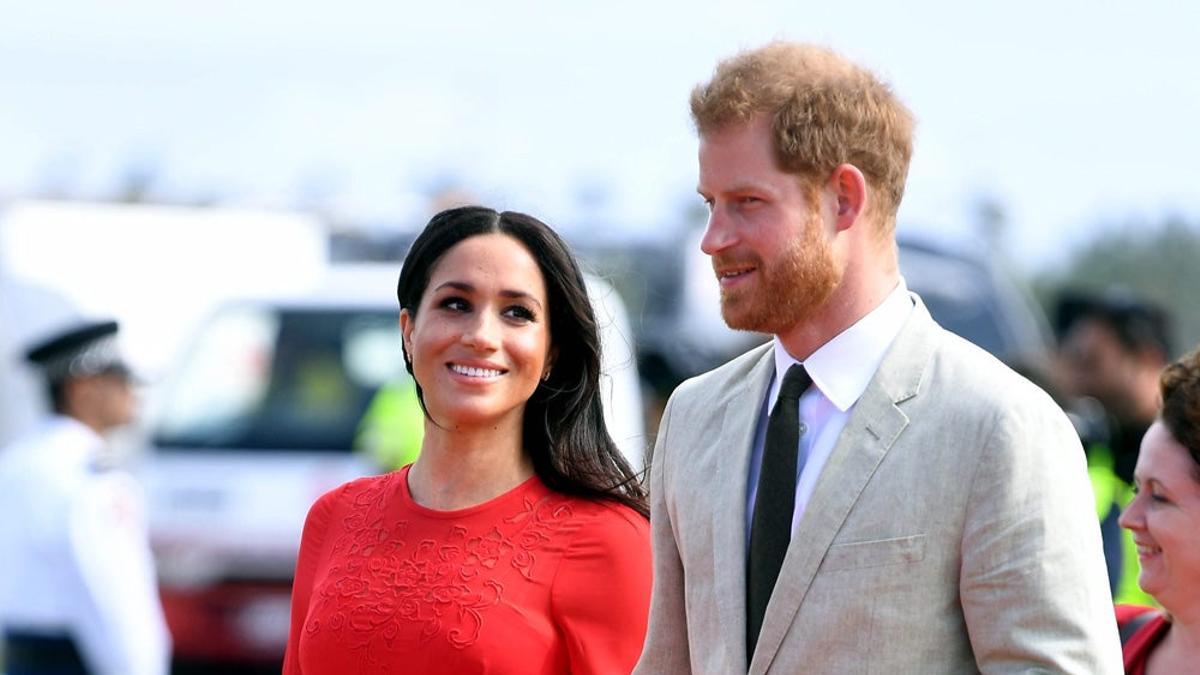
(1180, 387)
(565, 433)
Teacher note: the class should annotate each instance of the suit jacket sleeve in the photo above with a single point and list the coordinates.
(1033, 589)
(666, 648)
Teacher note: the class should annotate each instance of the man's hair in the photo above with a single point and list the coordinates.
(1139, 325)
(1180, 388)
(824, 111)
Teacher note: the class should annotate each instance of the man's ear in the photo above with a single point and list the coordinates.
(78, 394)
(849, 189)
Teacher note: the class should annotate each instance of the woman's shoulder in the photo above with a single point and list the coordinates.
(1140, 629)
(610, 550)
(607, 519)
(356, 491)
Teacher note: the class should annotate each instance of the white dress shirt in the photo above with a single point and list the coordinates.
(840, 370)
(75, 555)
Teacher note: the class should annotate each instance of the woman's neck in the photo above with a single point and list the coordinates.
(1178, 652)
(459, 469)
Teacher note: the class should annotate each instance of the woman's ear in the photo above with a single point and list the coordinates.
(406, 328)
(551, 357)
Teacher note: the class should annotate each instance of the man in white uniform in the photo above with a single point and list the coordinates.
(78, 592)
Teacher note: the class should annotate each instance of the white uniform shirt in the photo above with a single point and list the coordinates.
(74, 553)
(840, 370)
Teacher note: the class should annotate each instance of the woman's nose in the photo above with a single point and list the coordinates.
(1131, 516)
(482, 333)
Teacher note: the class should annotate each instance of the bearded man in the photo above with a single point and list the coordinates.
(867, 492)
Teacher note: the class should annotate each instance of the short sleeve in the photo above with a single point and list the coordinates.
(600, 598)
(312, 545)
(117, 616)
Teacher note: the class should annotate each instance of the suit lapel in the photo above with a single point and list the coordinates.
(740, 417)
(870, 432)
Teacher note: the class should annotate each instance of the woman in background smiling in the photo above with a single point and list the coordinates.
(1165, 520)
(518, 540)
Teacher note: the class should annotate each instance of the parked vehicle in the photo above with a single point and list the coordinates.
(271, 407)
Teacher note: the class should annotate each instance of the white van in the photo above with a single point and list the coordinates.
(265, 412)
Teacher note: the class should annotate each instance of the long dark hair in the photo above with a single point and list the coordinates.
(564, 430)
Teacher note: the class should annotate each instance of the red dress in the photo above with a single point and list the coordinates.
(1138, 647)
(530, 582)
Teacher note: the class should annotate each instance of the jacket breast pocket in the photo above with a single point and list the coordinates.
(876, 553)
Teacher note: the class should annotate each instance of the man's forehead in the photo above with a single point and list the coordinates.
(1088, 333)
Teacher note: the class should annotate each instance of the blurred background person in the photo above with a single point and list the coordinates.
(1113, 347)
(1165, 519)
(78, 591)
(517, 542)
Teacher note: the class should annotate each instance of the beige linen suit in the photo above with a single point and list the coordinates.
(951, 530)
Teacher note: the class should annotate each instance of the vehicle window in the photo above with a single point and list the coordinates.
(958, 295)
(268, 379)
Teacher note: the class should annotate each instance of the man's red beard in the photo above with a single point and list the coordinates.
(788, 291)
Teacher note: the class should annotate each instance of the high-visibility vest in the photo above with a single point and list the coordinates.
(1112, 496)
(393, 426)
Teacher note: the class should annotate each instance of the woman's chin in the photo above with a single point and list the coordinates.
(469, 418)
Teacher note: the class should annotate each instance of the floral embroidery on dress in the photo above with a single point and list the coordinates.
(388, 582)
(546, 514)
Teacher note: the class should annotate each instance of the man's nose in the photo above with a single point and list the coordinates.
(718, 233)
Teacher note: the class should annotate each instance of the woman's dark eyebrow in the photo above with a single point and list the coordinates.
(521, 295)
(506, 293)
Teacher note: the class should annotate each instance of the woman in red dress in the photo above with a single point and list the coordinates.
(518, 541)
(1165, 520)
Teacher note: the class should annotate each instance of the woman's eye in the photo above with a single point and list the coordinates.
(455, 304)
(520, 312)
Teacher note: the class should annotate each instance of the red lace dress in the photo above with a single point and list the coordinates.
(530, 582)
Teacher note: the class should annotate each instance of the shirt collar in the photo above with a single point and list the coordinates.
(843, 367)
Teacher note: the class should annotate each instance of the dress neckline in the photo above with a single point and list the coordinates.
(513, 495)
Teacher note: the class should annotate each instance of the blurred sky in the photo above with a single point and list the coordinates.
(1071, 114)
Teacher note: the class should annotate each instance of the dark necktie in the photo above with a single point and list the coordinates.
(771, 528)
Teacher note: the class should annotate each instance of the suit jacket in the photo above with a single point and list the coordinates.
(951, 530)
